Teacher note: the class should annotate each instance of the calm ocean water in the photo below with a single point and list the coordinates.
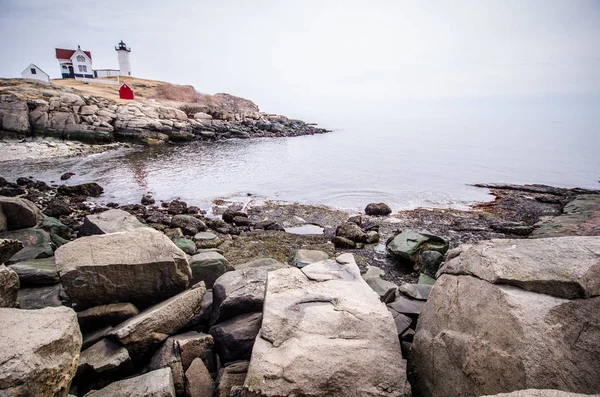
(405, 164)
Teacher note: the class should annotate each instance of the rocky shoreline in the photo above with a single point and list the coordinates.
(275, 299)
(53, 111)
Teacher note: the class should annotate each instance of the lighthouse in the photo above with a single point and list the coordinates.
(123, 53)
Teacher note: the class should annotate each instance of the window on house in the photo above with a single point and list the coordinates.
(33, 71)
(64, 67)
(80, 68)
(85, 68)
(80, 58)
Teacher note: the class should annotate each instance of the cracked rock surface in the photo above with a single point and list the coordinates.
(324, 331)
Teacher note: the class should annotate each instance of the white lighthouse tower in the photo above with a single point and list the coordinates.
(123, 53)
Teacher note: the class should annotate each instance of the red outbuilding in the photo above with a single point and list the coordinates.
(126, 92)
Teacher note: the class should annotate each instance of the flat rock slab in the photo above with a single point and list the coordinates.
(565, 267)
(100, 316)
(102, 357)
(111, 221)
(324, 331)
(415, 291)
(37, 272)
(155, 324)
(304, 257)
(580, 217)
(39, 351)
(141, 267)
(40, 297)
(157, 383)
(539, 393)
(410, 243)
(475, 338)
(407, 306)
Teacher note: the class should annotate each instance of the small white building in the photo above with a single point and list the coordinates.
(33, 72)
(99, 73)
(75, 63)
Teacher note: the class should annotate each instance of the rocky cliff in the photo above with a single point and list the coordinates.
(60, 111)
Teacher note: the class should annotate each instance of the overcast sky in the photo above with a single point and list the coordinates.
(299, 57)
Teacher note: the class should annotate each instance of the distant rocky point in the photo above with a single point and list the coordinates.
(162, 112)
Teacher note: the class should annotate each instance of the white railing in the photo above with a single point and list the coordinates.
(97, 81)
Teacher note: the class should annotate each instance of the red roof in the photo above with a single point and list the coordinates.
(61, 53)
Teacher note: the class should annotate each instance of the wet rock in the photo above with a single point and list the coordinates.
(111, 221)
(147, 199)
(141, 266)
(186, 245)
(157, 383)
(57, 207)
(343, 242)
(188, 221)
(565, 267)
(91, 338)
(101, 316)
(304, 257)
(406, 306)
(37, 272)
(177, 207)
(39, 350)
(103, 357)
(378, 209)
(409, 244)
(198, 380)
(238, 292)
(241, 221)
(325, 307)
(430, 262)
(12, 191)
(234, 338)
(372, 237)
(208, 267)
(229, 215)
(36, 244)
(87, 189)
(580, 217)
(231, 376)
(402, 322)
(9, 287)
(66, 175)
(19, 213)
(40, 297)
(207, 240)
(351, 231)
(155, 324)
(9, 247)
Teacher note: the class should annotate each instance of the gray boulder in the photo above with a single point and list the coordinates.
(40, 297)
(110, 221)
(509, 328)
(37, 272)
(36, 244)
(20, 213)
(325, 307)
(208, 267)
(352, 232)
(378, 209)
(9, 287)
(39, 351)
(238, 292)
(141, 266)
(157, 383)
(231, 376)
(565, 267)
(415, 291)
(430, 262)
(265, 263)
(155, 324)
(373, 278)
(189, 222)
(235, 337)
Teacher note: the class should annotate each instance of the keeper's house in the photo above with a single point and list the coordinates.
(75, 63)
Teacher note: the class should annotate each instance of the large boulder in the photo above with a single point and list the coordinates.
(110, 221)
(231, 376)
(409, 244)
(155, 324)
(86, 189)
(141, 267)
(198, 380)
(41, 297)
(157, 383)
(9, 287)
(508, 325)
(37, 272)
(208, 267)
(325, 332)
(566, 267)
(9, 247)
(39, 351)
(20, 213)
(378, 209)
(235, 337)
(103, 357)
